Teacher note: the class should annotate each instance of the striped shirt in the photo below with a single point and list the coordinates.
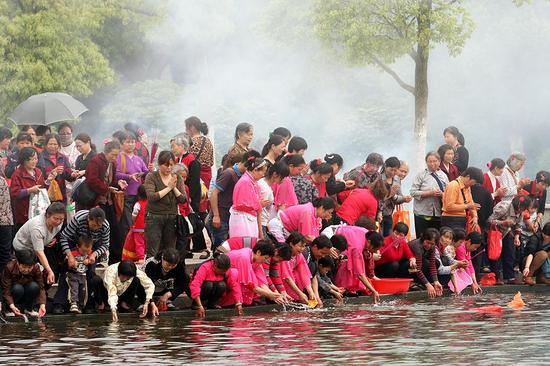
(78, 227)
(273, 275)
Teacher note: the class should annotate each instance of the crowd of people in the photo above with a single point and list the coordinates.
(281, 229)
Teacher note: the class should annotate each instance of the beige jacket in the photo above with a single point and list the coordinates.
(115, 287)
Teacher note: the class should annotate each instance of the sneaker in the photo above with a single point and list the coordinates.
(9, 314)
(31, 313)
(74, 309)
(170, 305)
(206, 255)
(58, 309)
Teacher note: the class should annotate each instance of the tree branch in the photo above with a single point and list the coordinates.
(394, 75)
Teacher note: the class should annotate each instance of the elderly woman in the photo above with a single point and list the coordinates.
(244, 132)
(26, 180)
(180, 145)
(51, 159)
(68, 145)
(164, 193)
(427, 189)
(510, 176)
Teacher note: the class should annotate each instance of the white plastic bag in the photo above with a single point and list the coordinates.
(38, 203)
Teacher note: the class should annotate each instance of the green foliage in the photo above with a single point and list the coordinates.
(151, 103)
(361, 30)
(59, 45)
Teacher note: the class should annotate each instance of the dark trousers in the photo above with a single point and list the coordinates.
(211, 292)
(160, 233)
(25, 295)
(116, 243)
(5, 245)
(454, 222)
(387, 225)
(421, 223)
(393, 269)
(508, 257)
(94, 284)
(78, 288)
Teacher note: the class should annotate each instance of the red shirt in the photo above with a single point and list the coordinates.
(321, 187)
(360, 202)
(489, 185)
(394, 250)
(452, 173)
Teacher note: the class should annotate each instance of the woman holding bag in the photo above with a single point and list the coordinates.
(26, 180)
(51, 159)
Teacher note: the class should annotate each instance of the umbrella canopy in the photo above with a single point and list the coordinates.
(47, 108)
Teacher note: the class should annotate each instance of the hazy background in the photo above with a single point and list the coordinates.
(255, 61)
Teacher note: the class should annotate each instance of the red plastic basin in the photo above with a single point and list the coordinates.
(391, 285)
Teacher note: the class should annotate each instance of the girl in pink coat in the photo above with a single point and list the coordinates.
(351, 271)
(295, 272)
(251, 275)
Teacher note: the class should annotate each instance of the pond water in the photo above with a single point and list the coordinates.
(445, 331)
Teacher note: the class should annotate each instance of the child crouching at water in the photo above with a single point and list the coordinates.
(121, 281)
(464, 253)
(327, 289)
(211, 281)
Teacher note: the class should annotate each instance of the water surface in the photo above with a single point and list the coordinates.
(444, 331)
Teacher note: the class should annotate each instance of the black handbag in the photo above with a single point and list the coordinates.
(83, 195)
(187, 226)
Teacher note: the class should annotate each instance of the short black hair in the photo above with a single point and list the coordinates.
(5, 133)
(326, 262)
(26, 257)
(96, 213)
(339, 242)
(375, 238)
(85, 240)
(401, 228)
(296, 144)
(474, 173)
(55, 208)
(459, 234)
(62, 125)
(321, 242)
(295, 237)
(222, 261)
(430, 234)
(22, 136)
(475, 238)
(265, 247)
(26, 154)
(127, 268)
(170, 255)
(284, 251)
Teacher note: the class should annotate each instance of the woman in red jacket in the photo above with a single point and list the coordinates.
(26, 179)
(361, 201)
(447, 154)
(101, 178)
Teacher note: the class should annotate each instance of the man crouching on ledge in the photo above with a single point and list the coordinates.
(121, 282)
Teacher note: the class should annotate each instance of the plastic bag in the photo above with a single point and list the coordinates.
(54, 192)
(494, 244)
(38, 203)
(403, 216)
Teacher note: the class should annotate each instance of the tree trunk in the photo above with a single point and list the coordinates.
(421, 83)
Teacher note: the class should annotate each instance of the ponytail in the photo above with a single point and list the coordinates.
(378, 189)
(253, 161)
(318, 166)
(334, 159)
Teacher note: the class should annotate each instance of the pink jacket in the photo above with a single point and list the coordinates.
(206, 273)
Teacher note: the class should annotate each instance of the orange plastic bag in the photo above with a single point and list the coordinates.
(118, 201)
(494, 244)
(517, 303)
(403, 216)
(54, 192)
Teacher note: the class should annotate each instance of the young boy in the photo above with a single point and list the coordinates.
(76, 277)
(464, 252)
(23, 285)
(327, 289)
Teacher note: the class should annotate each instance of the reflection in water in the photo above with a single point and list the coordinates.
(429, 332)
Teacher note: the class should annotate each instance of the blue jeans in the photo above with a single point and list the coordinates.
(25, 295)
(218, 235)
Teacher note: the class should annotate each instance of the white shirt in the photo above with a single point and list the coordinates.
(269, 212)
(34, 235)
(70, 152)
(510, 180)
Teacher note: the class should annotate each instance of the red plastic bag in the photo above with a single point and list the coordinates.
(494, 244)
(490, 279)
